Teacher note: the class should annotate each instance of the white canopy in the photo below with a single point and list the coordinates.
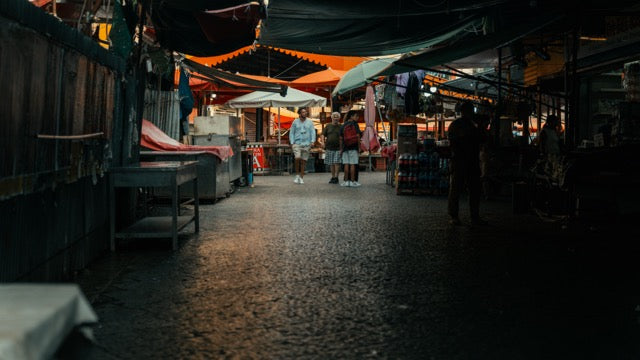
(262, 99)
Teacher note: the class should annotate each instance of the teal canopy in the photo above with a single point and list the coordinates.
(362, 74)
(473, 44)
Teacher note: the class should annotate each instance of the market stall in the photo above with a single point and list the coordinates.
(277, 153)
(213, 160)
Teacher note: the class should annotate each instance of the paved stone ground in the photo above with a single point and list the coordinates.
(316, 271)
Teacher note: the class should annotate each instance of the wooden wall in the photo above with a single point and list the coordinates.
(53, 193)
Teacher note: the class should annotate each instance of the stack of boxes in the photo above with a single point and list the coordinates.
(421, 169)
(407, 139)
(407, 150)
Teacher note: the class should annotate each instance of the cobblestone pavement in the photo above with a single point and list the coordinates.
(318, 271)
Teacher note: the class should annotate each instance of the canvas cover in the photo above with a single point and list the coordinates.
(262, 99)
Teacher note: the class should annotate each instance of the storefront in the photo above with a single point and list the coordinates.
(596, 177)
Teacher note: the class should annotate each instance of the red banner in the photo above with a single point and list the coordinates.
(258, 158)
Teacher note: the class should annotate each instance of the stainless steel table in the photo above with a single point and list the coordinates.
(213, 175)
(169, 174)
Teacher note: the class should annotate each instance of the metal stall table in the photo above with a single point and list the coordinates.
(170, 174)
(221, 130)
(213, 183)
(231, 168)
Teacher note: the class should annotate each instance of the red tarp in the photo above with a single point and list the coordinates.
(155, 139)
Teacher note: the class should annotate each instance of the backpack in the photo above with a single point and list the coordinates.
(350, 135)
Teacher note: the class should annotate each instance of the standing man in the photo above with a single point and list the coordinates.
(331, 134)
(464, 167)
(350, 147)
(301, 135)
(549, 137)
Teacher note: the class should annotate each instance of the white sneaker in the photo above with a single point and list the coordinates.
(300, 181)
(345, 183)
(355, 184)
(297, 179)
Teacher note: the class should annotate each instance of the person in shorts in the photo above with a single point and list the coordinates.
(350, 152)
(332, 157)
(301, 135)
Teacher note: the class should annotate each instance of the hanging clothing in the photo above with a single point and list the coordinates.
(389, 93)
(401, 83)
(186, 102)
(392, 100)
(412, 95)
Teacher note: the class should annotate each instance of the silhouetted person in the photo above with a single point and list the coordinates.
(464, 168)
(483, 122)
(549, 137)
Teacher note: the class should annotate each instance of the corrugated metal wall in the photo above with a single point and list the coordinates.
(250, 126)
(53, 193)
(162, 108)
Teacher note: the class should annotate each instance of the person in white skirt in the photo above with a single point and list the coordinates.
(350, 147)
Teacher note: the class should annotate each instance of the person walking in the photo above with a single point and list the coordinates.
(350, 147)
(301, 135)
(331, 134)
(464, 168)
(549, 137)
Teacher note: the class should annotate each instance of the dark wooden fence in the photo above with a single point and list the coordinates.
(60, 101)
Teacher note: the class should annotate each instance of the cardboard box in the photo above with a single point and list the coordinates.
(407, 145)
(407, 139)
(407, 131)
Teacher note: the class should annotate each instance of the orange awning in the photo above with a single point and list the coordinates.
(320, 78)
(286, 116)
(40, 3)
(342, 63)
(216, 60)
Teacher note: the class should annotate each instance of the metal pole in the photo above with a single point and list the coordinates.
(539, 122)
(499, 102)
(330, 100)
(58, 108)
(241, 123)
(572, 102)
(384, 129)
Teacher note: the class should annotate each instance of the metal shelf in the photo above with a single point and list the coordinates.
(154, 227)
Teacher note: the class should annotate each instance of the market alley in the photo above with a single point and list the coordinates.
(319, 271)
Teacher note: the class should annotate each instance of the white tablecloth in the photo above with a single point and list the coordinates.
(36, 318)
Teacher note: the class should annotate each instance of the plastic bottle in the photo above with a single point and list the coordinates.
(414, 163)
(413, 180)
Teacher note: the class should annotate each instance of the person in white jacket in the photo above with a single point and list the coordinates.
(301, 135)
